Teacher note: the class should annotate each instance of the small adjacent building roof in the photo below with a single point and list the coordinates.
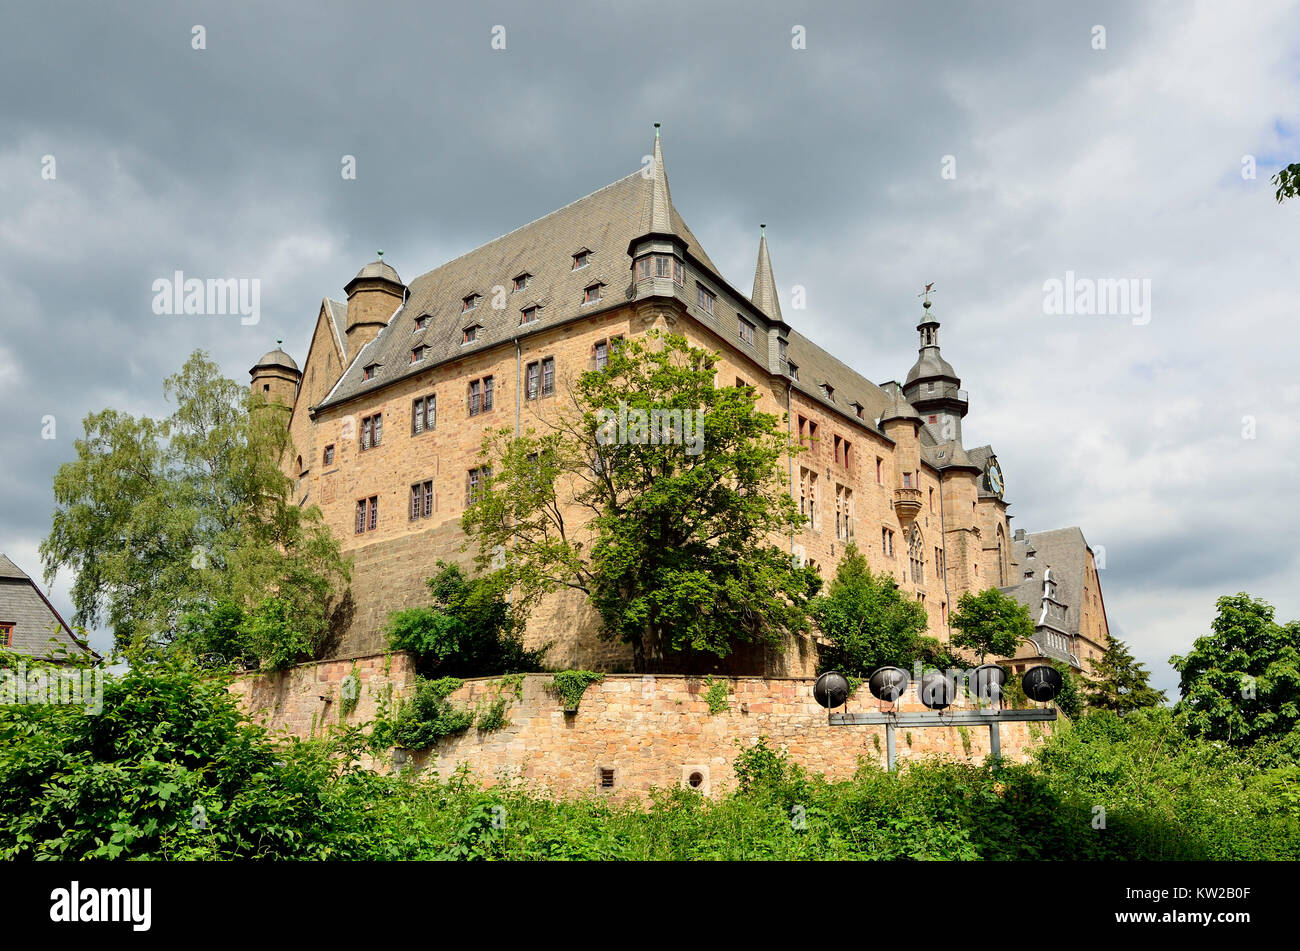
(29, 624)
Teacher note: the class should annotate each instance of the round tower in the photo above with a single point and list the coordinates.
(276, 376)
(933, 387)
(373, 297)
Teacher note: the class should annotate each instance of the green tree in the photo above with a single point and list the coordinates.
(990, 622)
(1119, 683)
(469, 631)
(163, 521)
(868, 621)
(1241, 683)
(671, 542)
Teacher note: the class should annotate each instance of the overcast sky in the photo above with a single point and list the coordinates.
(1118, 163)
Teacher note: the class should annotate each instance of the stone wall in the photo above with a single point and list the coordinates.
(650, 731)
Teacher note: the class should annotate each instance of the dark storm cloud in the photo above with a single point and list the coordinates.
(1122, 162)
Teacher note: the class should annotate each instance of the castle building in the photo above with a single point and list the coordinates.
(401, 381)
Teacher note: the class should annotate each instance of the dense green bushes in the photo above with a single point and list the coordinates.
(171, 769)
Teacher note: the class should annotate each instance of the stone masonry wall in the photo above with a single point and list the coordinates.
(651, 731)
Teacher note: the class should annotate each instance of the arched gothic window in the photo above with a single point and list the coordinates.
(916, 555)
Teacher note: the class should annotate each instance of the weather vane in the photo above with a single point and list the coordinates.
(929, 288)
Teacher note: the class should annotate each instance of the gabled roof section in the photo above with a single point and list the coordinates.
(606, 222)
(39, 630)
(337, 311)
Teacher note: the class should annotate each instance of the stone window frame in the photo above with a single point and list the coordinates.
(423, 500)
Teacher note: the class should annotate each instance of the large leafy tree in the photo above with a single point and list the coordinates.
(990, 622)
(190, 517)
(868, 621)
(1241, 682)
(672, 543)
(1119, 683)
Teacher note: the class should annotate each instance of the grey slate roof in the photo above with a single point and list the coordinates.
(929, 363)
(338, 314)
(604, 222)
(276, 358)
(1065, 551)
(38, 629)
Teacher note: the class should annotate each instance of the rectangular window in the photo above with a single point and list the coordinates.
(704, 298)
(417, 354)
(424, 414)
(372, 431)
(367, 374)
(591, 294)
(643, 268)
(539, 379)
(746, 329)
(7, 635)
(601, 354)
(475, 482)
(887, 542)
(532, 381)
(907, 480)
(421, 500)
(529, 315)
(470, 335)
(663, 265)
(580, 259)
(522, 281)
(480, 396)
(880, 471)
(422, 322)
(843, 512)
(329, 454)
(469, 303)
(367, 514)
(808, 497)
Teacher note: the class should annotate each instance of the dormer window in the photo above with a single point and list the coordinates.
(746, 329)
(581, 259)
(417, 354)
(522, 281)
(794, 371)
(422, 322)
(704, 298)
(857, 409)
(470, 334)
(371, 371)
(591, 294)
(469, 303)
(828, 391)
(782, 350)
(529, 314)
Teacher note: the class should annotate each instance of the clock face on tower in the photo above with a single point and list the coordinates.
(993, 473)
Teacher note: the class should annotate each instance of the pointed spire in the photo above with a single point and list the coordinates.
(764, 296)
(659, 203)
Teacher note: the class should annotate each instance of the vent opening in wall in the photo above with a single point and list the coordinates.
(606, 778)
(695, 780)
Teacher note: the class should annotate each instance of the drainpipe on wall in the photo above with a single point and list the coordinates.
(789, 389)
(943, 533)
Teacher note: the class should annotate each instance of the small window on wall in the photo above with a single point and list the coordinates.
(606, 778)
(328, 458)
(7, 635)
(367, 514)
